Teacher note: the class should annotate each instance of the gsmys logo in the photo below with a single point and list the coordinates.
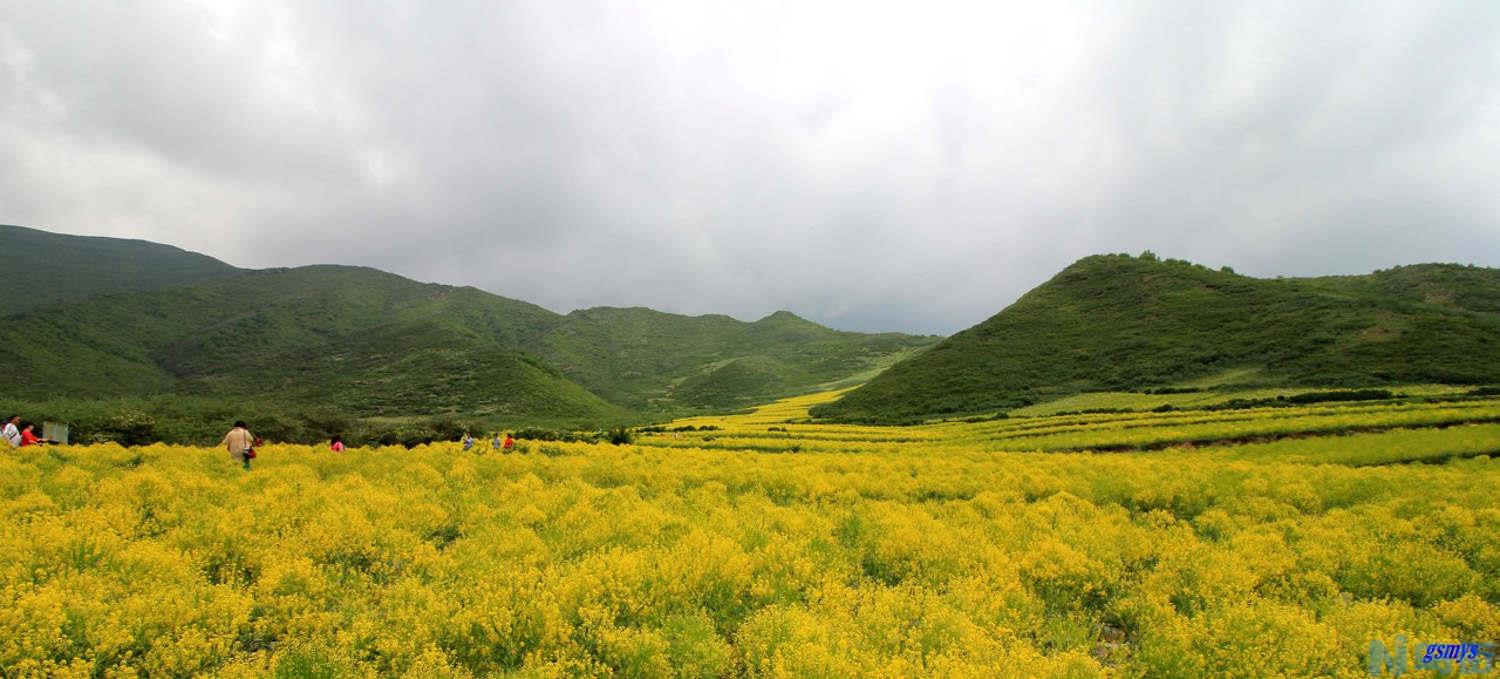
(1446, 659)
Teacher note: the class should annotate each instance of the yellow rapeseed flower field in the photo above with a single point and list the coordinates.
(1274, 542)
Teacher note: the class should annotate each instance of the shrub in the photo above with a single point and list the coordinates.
(128, 428)
(619, 436)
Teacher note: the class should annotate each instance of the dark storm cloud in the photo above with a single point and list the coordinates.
(871, 166)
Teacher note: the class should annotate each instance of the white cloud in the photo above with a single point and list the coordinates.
(872, 165)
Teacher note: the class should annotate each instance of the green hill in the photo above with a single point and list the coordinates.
(359, 340)
(379, 344)
(45, 269)
(728, 383)
(362, 343)
(649, 360)
(1117, 322)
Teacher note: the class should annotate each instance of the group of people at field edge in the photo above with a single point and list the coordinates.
(241, 443)
(18, 433)
(503, 445)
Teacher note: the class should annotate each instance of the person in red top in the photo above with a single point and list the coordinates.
(337, 445)
(29, 437)
(509, 445)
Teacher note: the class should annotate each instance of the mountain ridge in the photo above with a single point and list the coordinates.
(1115, 322)
(376, 344)
(44, 269)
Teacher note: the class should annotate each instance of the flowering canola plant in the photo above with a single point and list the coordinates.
(765, 546)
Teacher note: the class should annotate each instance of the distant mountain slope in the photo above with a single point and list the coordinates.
(646, 359)
(1118, 322)
(352, 338)
(44, 269)
(370, 343)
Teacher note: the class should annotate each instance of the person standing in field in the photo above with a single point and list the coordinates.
(12, 431)
(468, 441)
(509, 445)
(495, 443)
(337, 445)
(29, 437)
(240, 443)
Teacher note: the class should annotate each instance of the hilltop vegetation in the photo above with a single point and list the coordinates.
(1120, 323)
(368, 344)
(45, 269)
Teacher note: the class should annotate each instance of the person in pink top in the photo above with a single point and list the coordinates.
(337, 445)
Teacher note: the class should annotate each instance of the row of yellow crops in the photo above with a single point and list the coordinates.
(784, 428)
(923, 558)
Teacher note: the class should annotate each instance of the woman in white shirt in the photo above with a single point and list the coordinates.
(12, 431)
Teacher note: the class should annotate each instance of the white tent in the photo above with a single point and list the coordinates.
(54, 431)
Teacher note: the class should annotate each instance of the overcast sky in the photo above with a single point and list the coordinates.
(908, 166)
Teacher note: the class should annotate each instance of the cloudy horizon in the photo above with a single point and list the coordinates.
(867, 166)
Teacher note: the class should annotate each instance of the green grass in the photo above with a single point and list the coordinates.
(876, 367)
(1121, 323)
(1374, 448)
(1129, 400)
(1239, 426)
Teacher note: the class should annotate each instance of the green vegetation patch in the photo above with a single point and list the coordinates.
(1114, 323)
